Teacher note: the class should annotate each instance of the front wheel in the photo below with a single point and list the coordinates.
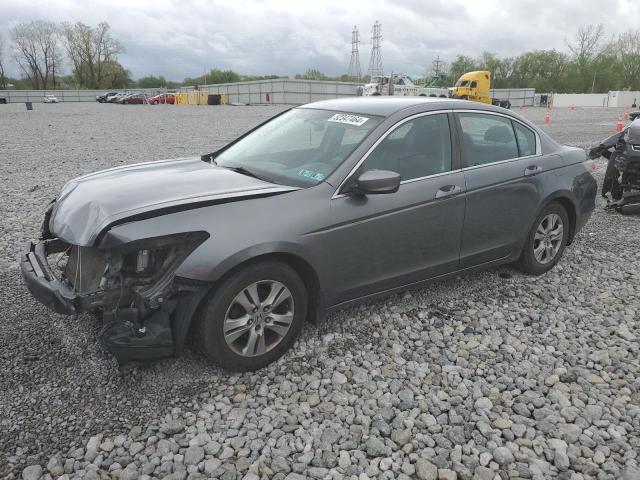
(253, 317)
(546, 241)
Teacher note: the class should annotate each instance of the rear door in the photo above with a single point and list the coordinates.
(379, 242)
(501, 160)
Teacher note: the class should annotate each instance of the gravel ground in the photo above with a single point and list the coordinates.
(491, 375)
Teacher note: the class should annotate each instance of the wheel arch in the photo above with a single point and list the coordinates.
(308, 274)
(565, 199)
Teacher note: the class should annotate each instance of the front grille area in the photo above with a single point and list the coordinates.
(84, 269)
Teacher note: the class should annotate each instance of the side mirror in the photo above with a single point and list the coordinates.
(373, 182)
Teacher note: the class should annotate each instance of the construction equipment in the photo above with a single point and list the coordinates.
(400, 85)
(475, 86)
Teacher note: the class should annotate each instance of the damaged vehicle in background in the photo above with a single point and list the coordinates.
(323, 205)
(622, 177)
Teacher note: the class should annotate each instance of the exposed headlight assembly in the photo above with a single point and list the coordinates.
(148, 265)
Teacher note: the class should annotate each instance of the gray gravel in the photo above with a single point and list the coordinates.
(490, 374)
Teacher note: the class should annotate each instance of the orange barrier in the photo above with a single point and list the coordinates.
(197, 98)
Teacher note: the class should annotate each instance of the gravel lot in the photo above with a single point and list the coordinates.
(492, 375)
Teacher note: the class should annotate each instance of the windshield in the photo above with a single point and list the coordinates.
(462, 83)
(300, 147)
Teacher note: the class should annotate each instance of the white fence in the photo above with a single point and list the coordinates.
(279, 91)
(614, 99)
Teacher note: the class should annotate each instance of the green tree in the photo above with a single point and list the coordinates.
(213, 77)
(627, 50)
(155, 82)
(500, 68)
(115, 75)
(462, 64)
(312, 74)
(545, 70)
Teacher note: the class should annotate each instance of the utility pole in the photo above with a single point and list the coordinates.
(375, 62)
(354, 63)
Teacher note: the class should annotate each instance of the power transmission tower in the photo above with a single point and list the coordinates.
(375, 62)
(437, 66)
(354, 63)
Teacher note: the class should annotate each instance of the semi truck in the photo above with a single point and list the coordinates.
(475, 86)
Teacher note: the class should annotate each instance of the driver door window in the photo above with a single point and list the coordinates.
(418, 148)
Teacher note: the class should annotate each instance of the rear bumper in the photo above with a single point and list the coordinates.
(41, 281)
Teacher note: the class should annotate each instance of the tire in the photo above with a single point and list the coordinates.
(223, 313)
(533, 264)
(125, 102)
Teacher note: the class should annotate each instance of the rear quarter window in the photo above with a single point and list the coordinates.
(526, 139)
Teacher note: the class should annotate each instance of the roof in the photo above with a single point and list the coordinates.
(385, 106)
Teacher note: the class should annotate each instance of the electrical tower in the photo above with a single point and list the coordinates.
(375, 62)
(354, 63)
(437, 66)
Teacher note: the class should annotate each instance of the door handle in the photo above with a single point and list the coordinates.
(532, 170)
(448, 190)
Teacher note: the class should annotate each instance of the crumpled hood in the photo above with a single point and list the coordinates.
(89, 204)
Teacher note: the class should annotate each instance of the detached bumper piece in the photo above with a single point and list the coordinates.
(41, 281)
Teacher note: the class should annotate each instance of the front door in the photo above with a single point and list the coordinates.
(383, 241)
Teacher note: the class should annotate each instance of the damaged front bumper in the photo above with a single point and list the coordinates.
(137, 325)
(46, 287)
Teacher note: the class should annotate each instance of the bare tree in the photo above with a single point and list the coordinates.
(37, 51)
(3, 80)
(587, 42)
(90, 49)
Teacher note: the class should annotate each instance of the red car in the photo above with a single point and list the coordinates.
(134, 98)
(162, 98)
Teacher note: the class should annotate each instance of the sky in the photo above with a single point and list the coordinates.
(185, 38)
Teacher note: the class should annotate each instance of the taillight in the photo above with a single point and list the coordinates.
(590, 166)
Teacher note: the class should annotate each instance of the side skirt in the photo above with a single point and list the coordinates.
(384, 293)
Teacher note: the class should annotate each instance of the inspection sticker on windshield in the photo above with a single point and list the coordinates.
(311, 174)
(349, 119)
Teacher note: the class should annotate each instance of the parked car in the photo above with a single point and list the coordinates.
(133, 98)
(105, 97)
(162, 98)
(3, 100)
(324, 205)
(50, 99)
(115, 98)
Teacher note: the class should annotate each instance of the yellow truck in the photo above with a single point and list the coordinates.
(475, 86)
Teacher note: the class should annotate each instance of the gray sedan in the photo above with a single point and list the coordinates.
(323, 205)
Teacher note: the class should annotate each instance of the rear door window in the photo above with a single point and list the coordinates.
(486, 138)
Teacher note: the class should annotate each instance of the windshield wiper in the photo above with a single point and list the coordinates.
(249, 173)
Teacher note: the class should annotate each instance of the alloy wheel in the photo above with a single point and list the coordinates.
(258, 318)
(548, 238)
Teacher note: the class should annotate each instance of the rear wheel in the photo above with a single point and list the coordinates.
(546, 241)
(253, 317)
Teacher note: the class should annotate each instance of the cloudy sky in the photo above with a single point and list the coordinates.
(183, 38)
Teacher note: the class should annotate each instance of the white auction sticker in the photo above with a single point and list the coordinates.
(348, 118)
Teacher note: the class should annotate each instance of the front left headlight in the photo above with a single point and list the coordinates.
(153, 256)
